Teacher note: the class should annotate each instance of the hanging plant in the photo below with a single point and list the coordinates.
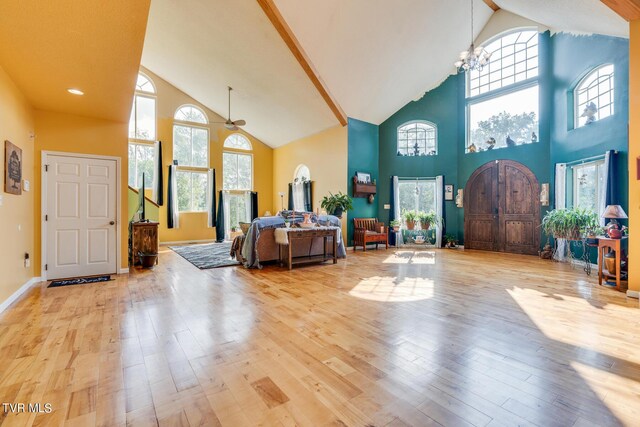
(569, 224)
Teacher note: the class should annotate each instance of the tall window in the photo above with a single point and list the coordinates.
(142, 133)
(237, 177)
(302, 173)
(417, 138)
(191, 150)
(502, 99)
(593, 96)
(588, 184)
(419, 195)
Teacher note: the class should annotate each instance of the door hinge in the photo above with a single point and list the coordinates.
(46, 267)
(46, 168)
(46, 217)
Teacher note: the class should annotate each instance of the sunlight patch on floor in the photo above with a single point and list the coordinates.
(411, 257)
(393, 289)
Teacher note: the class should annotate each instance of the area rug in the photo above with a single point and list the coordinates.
(208, 255)
(78, 281)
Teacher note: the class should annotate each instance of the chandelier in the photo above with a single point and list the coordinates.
(474, 58)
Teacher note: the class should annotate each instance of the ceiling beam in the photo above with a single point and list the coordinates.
(628, 9)
(274, 15)
(492, 5)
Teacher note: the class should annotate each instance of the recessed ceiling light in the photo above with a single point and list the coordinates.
(75, 91)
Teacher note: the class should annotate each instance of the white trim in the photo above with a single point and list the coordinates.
(18, 293)
(183, 242)
(633, 294)
(43, 204)
(124, 271)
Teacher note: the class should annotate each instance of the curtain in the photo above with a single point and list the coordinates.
(226, 209)
(439, 209)
(392, 212)
(254, 205)
(290, 197)
(173, 217)
(221, 220)
(611, 163)
(211, 198)
(158, 194)
(298, 195)
(561, 203)
(306, 187)
(248, 206)
(396, 205)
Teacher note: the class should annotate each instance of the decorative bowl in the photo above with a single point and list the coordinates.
(307, 225)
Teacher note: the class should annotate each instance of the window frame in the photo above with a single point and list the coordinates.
(503, 90)
(413, 181)
(148, 95)
(192, 126)
(574, 184)
(191, 171)
(240, 152)
(146, 144)
(576, 106)
(423, 122)
(204, 114)
(235, 134)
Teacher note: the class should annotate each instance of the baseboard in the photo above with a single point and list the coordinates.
(186, 242)
(633, 294)
(17, 294)
(124, 271)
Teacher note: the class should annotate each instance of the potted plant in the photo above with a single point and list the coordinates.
(428, 218)
(451, 240)
(569, 224)
(395, 224)
(410, 218)
(592, 234)
(336, 204)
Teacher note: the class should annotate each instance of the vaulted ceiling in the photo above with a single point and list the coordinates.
(374, 56)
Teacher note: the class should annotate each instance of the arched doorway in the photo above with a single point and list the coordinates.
(502, 208)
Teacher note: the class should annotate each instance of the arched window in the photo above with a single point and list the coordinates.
(191, 113)
(418, 138)
(237, 141)
(191, 150)
(593, 96)
(502, 98)
(142, 132)
(302, 174)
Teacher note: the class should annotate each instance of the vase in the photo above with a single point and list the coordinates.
(337, 212)
(425, 225)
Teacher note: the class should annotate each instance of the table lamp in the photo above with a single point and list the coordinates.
(614, 212)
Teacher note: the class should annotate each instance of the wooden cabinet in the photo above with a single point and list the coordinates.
(143, 237)
(606, 245)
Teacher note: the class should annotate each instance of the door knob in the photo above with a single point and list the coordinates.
(112, 222)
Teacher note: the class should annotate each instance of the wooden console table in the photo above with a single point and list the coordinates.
(606, 245)
(294, 234)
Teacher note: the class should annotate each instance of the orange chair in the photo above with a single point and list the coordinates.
(369, 230)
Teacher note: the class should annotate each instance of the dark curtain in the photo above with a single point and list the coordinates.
(612, 179)
(170, 200)
(213, 222)
(392, 215)
(158, 183)
(290, 197)
(307, 196)
(254, 205)
(220, 220)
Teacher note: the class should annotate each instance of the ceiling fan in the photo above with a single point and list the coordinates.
(232, 124)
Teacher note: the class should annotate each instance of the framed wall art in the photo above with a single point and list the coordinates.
(12, 168)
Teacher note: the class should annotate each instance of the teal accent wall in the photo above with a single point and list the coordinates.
(363, 149)
(564, 60)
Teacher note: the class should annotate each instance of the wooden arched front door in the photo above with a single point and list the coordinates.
(502, 208)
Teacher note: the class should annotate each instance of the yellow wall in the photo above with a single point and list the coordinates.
(193, 225)
(634, 153)
(325, 154)
(16, 227)
(151, 211)
(76, 134)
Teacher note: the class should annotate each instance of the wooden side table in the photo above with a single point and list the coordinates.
(305, 233)
(606, 245)
(144, 238)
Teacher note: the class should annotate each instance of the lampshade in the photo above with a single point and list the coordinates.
(614, 211)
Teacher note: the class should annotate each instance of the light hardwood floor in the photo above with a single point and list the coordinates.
(381, 339)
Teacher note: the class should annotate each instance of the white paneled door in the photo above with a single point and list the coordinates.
(80, 216)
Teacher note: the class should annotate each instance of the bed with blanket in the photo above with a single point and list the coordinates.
(259, 244)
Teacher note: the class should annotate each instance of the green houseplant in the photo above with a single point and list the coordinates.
(395, 224)
(410, 218)
(569, 224)
(451, 241)
(427, 219)
(336, 204)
